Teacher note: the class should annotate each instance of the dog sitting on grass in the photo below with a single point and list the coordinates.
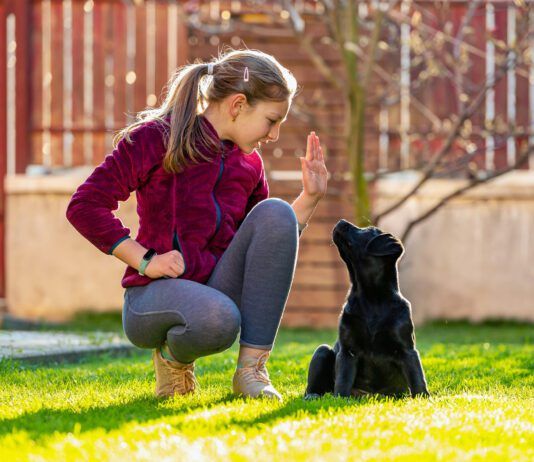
(375, 351)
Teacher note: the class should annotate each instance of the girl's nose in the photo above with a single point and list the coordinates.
(274, 133)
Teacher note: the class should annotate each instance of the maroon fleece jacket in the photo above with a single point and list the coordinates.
(196, 211)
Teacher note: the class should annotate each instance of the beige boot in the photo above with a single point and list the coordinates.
(252, 379)
(173, 377)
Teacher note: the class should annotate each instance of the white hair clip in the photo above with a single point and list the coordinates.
(210, 69)
(245, 75)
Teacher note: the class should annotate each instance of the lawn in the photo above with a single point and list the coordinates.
(103, 408)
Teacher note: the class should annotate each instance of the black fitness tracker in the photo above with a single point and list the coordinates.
(146, 259)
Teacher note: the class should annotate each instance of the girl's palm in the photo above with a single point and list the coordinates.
(314, 173)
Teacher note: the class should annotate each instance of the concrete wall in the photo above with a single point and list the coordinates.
(52, 271)
(473, 259)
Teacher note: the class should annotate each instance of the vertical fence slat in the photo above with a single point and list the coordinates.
(500, 95)
(511, 86)
(109, 66)
(119, 60)
(405, 88)
(476, 76)
(140, 58)
(78, 124)
(490, 94)
(161, 47)
(56, 69)
(3, 144)
(22, 10)
(37, 86)
(67, 82)
(99, 12)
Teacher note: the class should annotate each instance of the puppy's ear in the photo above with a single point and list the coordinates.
(383, 245)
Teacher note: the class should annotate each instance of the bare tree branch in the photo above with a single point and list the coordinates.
(429, 168)
(472, 184)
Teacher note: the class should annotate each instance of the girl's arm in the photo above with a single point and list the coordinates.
(91, 207)
(304, 206)
(130, 252)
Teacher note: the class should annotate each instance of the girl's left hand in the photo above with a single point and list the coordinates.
(314, 173)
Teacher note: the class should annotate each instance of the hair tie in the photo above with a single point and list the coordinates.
(210, 69)
(245, 75)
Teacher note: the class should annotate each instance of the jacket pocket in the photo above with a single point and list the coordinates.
(177, 246)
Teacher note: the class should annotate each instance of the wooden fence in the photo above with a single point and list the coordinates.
(72, 72)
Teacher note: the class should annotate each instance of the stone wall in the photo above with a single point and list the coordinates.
(473, 259)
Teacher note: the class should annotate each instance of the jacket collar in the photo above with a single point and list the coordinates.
(227, 146)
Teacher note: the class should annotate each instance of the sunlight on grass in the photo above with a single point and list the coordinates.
(103, 408)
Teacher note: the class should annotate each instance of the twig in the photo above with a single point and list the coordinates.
(473, 183)
(429, 168)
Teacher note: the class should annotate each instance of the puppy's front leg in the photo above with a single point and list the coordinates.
(346, 368)
(413, 372)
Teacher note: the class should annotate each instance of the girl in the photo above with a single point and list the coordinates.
(213, 255)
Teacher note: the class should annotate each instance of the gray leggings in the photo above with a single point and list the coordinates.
(247, 290)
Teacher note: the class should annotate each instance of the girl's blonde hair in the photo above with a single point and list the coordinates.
(189, 93)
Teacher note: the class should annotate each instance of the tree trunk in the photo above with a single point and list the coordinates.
(355, 151)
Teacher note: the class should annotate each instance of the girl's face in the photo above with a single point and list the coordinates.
(259, 124)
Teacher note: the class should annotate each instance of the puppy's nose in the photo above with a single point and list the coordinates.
(344, 224)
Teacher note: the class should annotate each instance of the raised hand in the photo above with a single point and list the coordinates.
(314, 173)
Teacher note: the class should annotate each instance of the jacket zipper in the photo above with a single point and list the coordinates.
(217, 207)
(176, 245)
(176, 241)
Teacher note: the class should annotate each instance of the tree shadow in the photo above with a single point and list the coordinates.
(45, 422)
(40, 424)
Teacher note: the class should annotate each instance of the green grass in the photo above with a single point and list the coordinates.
(103, 408)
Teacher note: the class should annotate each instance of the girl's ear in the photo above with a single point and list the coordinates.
(237, 104)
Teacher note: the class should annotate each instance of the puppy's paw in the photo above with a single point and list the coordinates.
(310, 396)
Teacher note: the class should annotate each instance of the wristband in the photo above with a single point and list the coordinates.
(146, 260)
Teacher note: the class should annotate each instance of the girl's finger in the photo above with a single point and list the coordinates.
(309, 147)
(321, 156)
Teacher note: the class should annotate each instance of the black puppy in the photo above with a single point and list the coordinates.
(375, 352)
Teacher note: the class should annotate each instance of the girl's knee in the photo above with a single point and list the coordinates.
(225, 328)
(216, 331)
(276, 210)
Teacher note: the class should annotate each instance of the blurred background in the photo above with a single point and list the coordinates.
(425, 110)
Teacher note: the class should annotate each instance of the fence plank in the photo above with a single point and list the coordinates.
(100, 10)
(140, 58)
(56, 106)
(3, 144)
(78, 118)
(36, 156)
(22, 10)
(119, 64)
(161, 69)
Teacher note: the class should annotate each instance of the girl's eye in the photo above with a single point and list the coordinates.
(271, 122)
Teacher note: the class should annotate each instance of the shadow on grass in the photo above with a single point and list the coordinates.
(45, 422)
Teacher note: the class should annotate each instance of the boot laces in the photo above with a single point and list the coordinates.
(257, 372)
(184, 379)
